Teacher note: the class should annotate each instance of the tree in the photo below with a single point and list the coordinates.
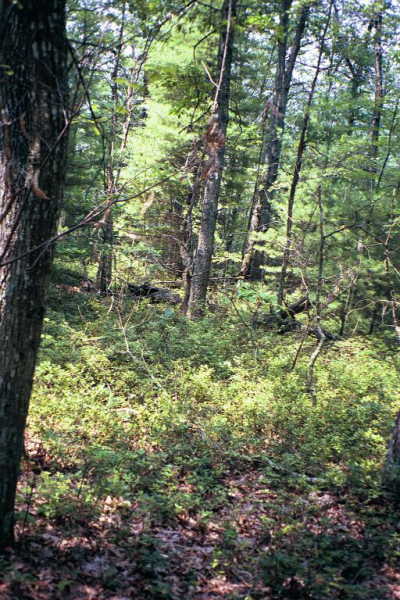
(214, 139)
(120, 123)
(260, 216)
(33, 97)
(298, 165)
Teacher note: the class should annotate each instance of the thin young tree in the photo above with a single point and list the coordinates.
(261, 210)
(301, 147)
(34, 122)
(111, 170)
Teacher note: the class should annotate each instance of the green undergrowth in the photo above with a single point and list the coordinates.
(136, 402)
(146, 428)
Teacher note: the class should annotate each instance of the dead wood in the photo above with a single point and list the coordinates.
(155, 294)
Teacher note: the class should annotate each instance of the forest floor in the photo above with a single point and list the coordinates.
(269, 539)
(175, 461)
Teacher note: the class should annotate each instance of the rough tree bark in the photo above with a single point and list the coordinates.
(260, 216)
(186, 234)
(214, 140)
(32, 150)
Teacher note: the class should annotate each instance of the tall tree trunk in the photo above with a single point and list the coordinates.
(298, 166)
(186, 244)
(261, 211)
(111, 172)
(378, 100)
(214, 139)
(356, 72)
(32, 152)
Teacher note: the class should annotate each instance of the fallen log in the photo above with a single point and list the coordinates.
(287, 324)
(301, 305)
(154, 294)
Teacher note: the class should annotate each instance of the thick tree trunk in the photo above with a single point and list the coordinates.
(215, 148)
(260, 217)
(205, 246)
(32, 147)
(186, 238)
